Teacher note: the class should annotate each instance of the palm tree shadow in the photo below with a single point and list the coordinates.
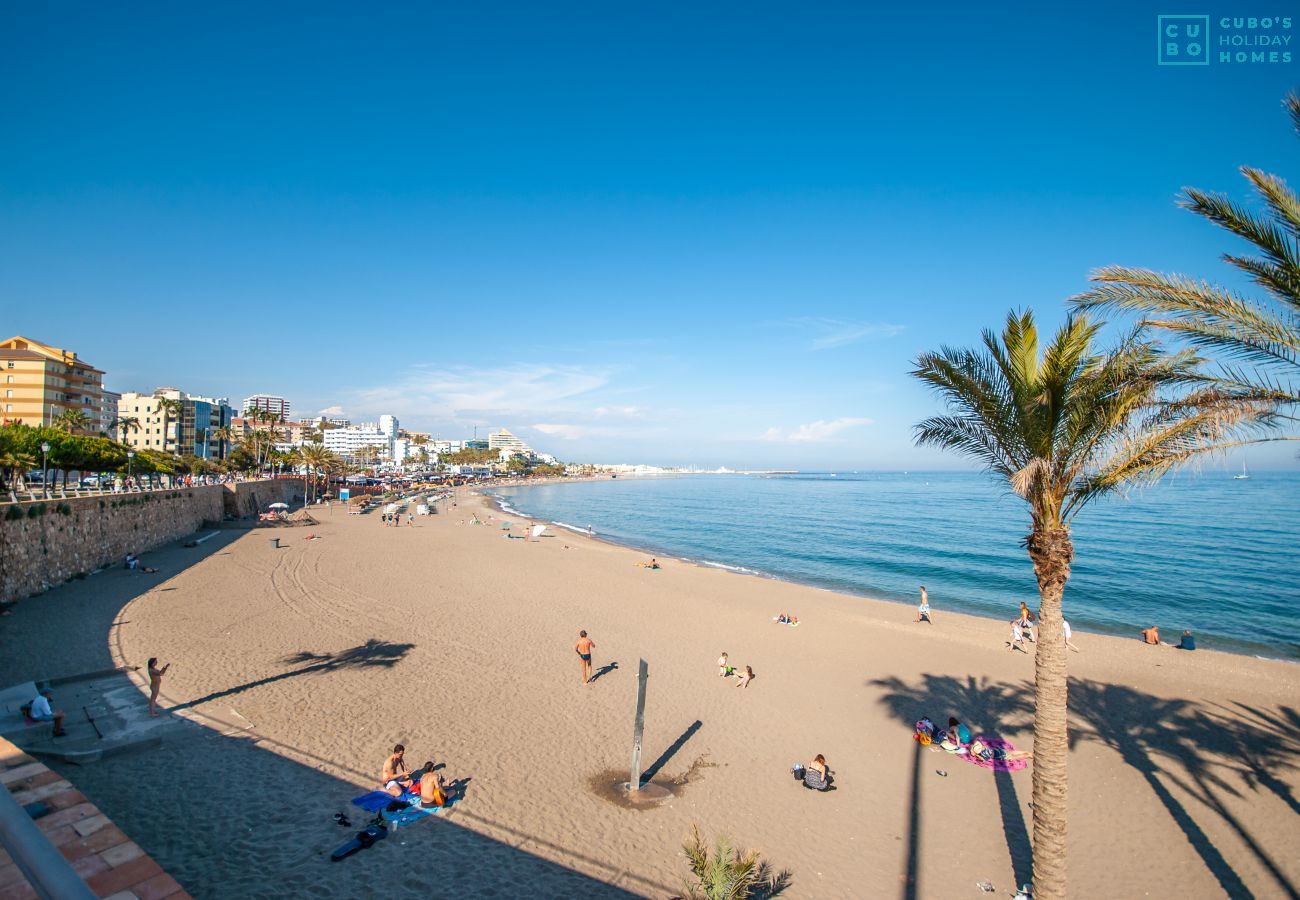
(1159, 736)
(371, 654)
(986, 708)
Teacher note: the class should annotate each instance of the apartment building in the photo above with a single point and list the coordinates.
(41, 381)
(267, 403)
(504, 440)
(193, 432)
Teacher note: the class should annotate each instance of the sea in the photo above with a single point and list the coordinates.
(1205, 552)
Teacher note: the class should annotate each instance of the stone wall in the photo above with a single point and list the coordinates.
(46, 542)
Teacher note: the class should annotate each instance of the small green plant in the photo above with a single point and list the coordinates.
(37, 510)
(725, 873)
(63, 509)
(14, 512)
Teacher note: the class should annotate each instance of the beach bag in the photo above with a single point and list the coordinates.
(924, 728)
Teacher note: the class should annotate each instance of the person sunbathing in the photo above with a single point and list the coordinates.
(743, 678)
(433, 790)
(1151, 635)
(981, 750)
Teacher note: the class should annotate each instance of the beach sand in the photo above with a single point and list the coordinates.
(299, 668)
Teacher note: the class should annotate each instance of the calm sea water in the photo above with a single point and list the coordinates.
(1206, 552)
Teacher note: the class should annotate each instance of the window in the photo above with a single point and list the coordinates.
(9, 407)
(9, 379)
(9, 393)
(10, 364)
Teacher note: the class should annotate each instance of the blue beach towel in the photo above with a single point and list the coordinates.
(415, 813)
(377, 800)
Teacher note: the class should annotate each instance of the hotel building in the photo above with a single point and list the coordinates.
(41, 381)
(268, 403)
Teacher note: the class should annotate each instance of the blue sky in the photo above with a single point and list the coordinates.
(711, 234)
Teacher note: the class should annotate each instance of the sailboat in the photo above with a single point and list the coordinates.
(1244, 473)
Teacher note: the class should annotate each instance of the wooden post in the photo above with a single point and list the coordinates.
(642, 675)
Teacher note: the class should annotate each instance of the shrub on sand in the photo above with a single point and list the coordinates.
(726, 873)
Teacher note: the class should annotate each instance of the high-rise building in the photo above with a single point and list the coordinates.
(41, 381)
(389, 426)
(267, 403)
(351, 441)
(504, 440)
(108, 412)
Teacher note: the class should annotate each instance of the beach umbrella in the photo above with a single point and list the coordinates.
(279, 506)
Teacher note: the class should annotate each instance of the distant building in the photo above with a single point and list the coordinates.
(193, 432)
(108, 412)
(389, 426)
(41, 381)
(476, 445)
(504, 440)
(350, 441)
(267, 403)
(446, 446)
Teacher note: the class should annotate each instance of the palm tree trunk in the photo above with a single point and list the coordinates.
(1051, 552)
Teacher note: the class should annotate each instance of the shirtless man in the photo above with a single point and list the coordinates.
(394, 779)
(583, 648)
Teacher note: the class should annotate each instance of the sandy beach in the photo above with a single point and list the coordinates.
(299, 668)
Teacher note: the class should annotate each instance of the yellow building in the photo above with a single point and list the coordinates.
(40, 382)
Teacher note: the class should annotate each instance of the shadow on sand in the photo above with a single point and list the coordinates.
(281, 848)
(1209, 752)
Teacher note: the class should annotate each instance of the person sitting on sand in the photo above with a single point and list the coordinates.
(1151, 635)
(395, 778)
(956, 737)
(743, 678)
(1188, 641)
(818, 775)
(433, 790)
(724, 669)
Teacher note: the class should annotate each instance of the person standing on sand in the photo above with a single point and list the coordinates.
(584, 647)
(923, 611)
(155, 683)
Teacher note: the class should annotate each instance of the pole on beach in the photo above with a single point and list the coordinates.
(642, 675)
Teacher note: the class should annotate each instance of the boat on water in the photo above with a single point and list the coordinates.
(1244, 473)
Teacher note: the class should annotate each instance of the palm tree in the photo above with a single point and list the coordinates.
(71, 421)
(124, 425)
(1061, 429)
(224, 436)
(170, 408)
(1263, 333)
(318, 460)
(15, 462)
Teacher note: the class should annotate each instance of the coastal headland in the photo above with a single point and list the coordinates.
(295, 670)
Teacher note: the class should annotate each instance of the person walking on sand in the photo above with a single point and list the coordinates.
(1026, 620)
(923, 611)
(1017, 641)
(1065, 625)
(155, 683)
(583, 648)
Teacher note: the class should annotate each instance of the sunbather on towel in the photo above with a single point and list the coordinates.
(394, 779)
(433, 791)
(981, 750)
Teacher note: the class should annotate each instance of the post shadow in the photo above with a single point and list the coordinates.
(668, 754)
(986, 708)
(371, 654)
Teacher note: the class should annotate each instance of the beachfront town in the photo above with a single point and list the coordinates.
(49, 387)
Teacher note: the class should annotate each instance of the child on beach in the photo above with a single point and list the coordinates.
(723, 668)
(923, 611)
(1017, 641)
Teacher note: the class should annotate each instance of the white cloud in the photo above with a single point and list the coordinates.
(814, 432)
(335, 411)
(839, 333)
(484, 395)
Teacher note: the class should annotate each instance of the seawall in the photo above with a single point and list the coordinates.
(47, 542)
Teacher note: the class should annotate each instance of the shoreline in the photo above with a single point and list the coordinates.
(487, 492)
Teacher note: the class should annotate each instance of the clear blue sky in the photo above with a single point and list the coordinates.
(704, 233)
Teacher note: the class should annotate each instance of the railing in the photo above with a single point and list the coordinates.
(34, 493)
(49, 874)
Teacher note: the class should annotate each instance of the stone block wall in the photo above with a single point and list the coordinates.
(46, 542)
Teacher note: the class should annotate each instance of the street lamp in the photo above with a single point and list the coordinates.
(45, 470)
(130, 459)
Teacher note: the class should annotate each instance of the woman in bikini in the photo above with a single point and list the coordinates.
(155, 683)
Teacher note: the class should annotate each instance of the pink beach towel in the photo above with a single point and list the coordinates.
(1000, 765)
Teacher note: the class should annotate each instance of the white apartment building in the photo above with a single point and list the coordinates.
(504, 440)
(267, 403)
(349, 441)
(446, 446)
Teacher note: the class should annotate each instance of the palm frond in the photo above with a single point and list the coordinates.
(1278, 246)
